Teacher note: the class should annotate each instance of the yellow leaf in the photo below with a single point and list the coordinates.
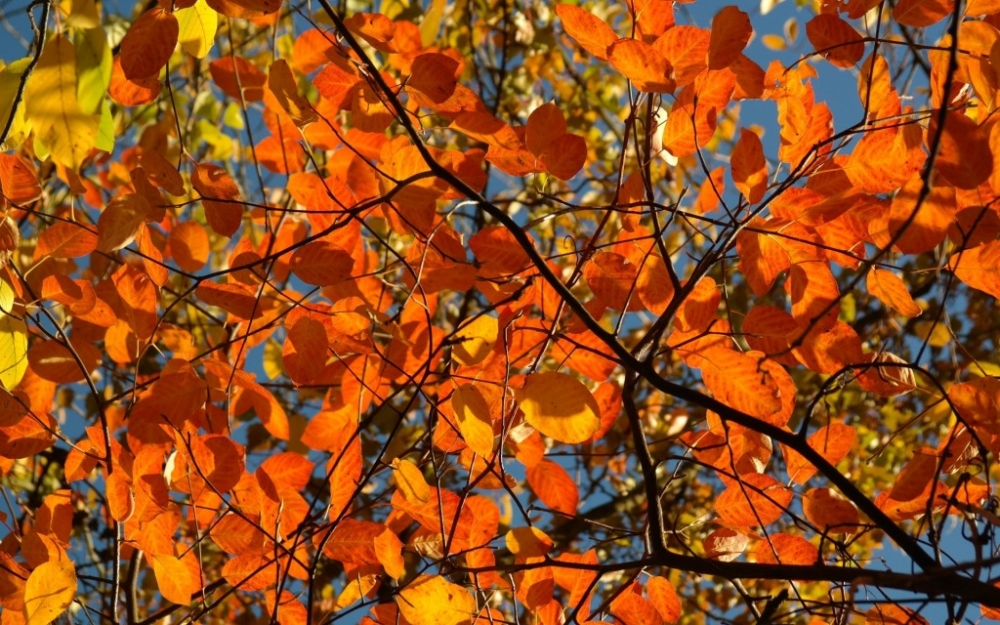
(355, 590)
(10, 78)
(93, 66)
(410, 481)
(559, 406)
(476, 339)
(13, 350)
(432, 600)
(197, 24)
(49, 591)
(81, 13)
(474, 421)
(52, 108)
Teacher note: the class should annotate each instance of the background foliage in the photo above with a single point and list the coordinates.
(500, 311)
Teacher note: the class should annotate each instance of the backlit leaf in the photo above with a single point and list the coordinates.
(433, 600)
(50, 589)
(52, 108)
(754, 500)
(591, 32)
(148, 44)
(836, 40)
(731, 31)
(554, 486)
(559, 406)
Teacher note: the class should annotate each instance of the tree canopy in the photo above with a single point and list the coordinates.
(500, 311)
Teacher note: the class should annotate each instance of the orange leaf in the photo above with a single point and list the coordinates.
(389, 551)
(177, 578)
(50, 589)
(219, 192)
(235, 75)
(742, 381)
(892, 614)
(829, 513)
(755, 500)
(565, 156)
(889, 288)
(731, 31)
(433, 75)
(725, 544)
(643, 65)
(321, 263)
(920, 13)
(305, 350)
(121, 501)
(833, 442)
(786, 549)
(237, 299)
(631, 609)
(554, 486)
(749, 166)
(281, 83)
(132, 92)
(591, 32)
(189, 245)
(148, 44)
(219, 460)
(375, 28)
(836, 40)
(64, 239)
(686, 49)
(664, 598)
(912, 481)
(964, 155)
(979, 267)
(18, 180)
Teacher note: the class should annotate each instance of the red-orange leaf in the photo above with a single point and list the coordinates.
(749, 166)
(836, 40)
(786, 549)
(235, 75)
(219, 192)
(833, 442)
(148, 44)
(433, 74)
(920, 13)
(755, 500)
(830, 513)
(731, 31)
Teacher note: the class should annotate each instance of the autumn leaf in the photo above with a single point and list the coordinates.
(432, 600)
(559, 406)
(52, 107)
(51, 588)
